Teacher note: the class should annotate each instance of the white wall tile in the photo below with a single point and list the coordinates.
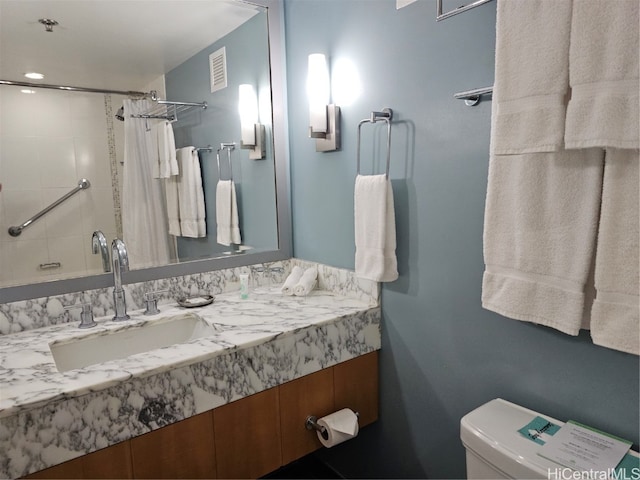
(56, 157)
(92, 160)
(20, 168)
(17, 112)
(53, 117)
(19, 206)
(66, 218)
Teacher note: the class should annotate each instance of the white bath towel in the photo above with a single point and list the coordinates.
(375, 229)
(173, 204)
(292, 280)
(167, 163)
(539, 235)
(603, 110)
(531, 76)
(190, 194)
(307, 282)
(228, 227)
(615, 320)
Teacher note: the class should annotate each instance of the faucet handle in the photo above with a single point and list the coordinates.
(151, 302)
(86, 316)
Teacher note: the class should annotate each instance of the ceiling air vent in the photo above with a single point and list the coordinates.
(218, 69)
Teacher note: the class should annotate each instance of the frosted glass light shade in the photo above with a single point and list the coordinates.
(248, 109)
(318, 91)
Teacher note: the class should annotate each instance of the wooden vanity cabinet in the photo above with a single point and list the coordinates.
(184, 449)
(111, 462)
(247, 438)
(247, 434)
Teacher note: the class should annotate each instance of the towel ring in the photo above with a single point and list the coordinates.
(386, 115)
(228, 147)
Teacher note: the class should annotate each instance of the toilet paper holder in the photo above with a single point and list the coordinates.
(311, 423)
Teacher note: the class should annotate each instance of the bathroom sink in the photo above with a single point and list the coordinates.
(127, 341)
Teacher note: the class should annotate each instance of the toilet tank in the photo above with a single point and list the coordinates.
(494, 447)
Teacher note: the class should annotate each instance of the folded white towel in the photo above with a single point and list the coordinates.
(292, 280)
(306, 283)
(615, 320)
(604, 71)
(531, 76)
(375, 229)
(167, 163)
(228, 228)
(190, 194)
(173, 204)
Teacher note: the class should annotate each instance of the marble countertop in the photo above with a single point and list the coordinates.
(30, 379)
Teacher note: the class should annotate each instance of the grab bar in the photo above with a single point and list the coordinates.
(82, 185)
(386, 115)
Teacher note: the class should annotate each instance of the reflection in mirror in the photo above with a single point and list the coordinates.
(128, 146)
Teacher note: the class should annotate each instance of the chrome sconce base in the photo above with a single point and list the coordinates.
(257, 151)
(329, 141)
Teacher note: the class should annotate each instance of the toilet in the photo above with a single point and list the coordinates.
(495, 449)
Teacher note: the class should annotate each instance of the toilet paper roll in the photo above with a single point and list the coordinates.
(340, 426)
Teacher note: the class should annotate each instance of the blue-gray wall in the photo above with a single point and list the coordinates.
(247, 62)
(442, 354)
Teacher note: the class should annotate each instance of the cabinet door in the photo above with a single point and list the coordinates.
(356, 387)
(110, 462)
(181, 450)
(70, 469)
(308, 395)
(247, 435)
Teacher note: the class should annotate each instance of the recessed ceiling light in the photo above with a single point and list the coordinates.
(26, 90)
(34, 75)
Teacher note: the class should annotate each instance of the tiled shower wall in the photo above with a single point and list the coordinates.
(48, 141)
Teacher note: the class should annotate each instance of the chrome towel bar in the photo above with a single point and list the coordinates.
(386, 115)
(472, 97)
(82, 185)
(456, 11)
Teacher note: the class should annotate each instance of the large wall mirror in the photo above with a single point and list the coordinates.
(153, 81)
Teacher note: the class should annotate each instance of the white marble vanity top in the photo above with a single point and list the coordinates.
(30, 379)
(48, 417)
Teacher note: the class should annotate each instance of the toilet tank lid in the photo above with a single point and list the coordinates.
(491, 431)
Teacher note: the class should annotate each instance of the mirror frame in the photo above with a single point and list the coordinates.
(277, 62)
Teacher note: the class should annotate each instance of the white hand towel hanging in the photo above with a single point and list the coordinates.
(228, 227)
(167, 164)
(190, 194)
(375, 229)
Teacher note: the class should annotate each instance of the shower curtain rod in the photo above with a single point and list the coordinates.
(152, 94)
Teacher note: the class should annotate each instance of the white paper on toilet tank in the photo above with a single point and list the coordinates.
(583, 448)
(340, 426)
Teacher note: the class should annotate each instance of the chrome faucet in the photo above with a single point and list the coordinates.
(99, 245)
(120, 259)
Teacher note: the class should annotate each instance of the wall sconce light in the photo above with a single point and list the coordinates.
(324, 117)
(252, 132)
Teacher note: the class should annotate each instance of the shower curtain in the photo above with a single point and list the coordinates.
(144, 220)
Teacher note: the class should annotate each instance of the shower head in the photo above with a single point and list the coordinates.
(120, 114)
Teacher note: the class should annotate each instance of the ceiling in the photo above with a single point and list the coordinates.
(110, 44)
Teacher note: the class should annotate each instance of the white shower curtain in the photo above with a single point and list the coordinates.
(144, 220)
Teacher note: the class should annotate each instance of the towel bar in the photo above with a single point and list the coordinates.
(472, 97)
(386, 115)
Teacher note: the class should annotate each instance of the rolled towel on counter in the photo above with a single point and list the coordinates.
(307, 282)
(292, 280)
